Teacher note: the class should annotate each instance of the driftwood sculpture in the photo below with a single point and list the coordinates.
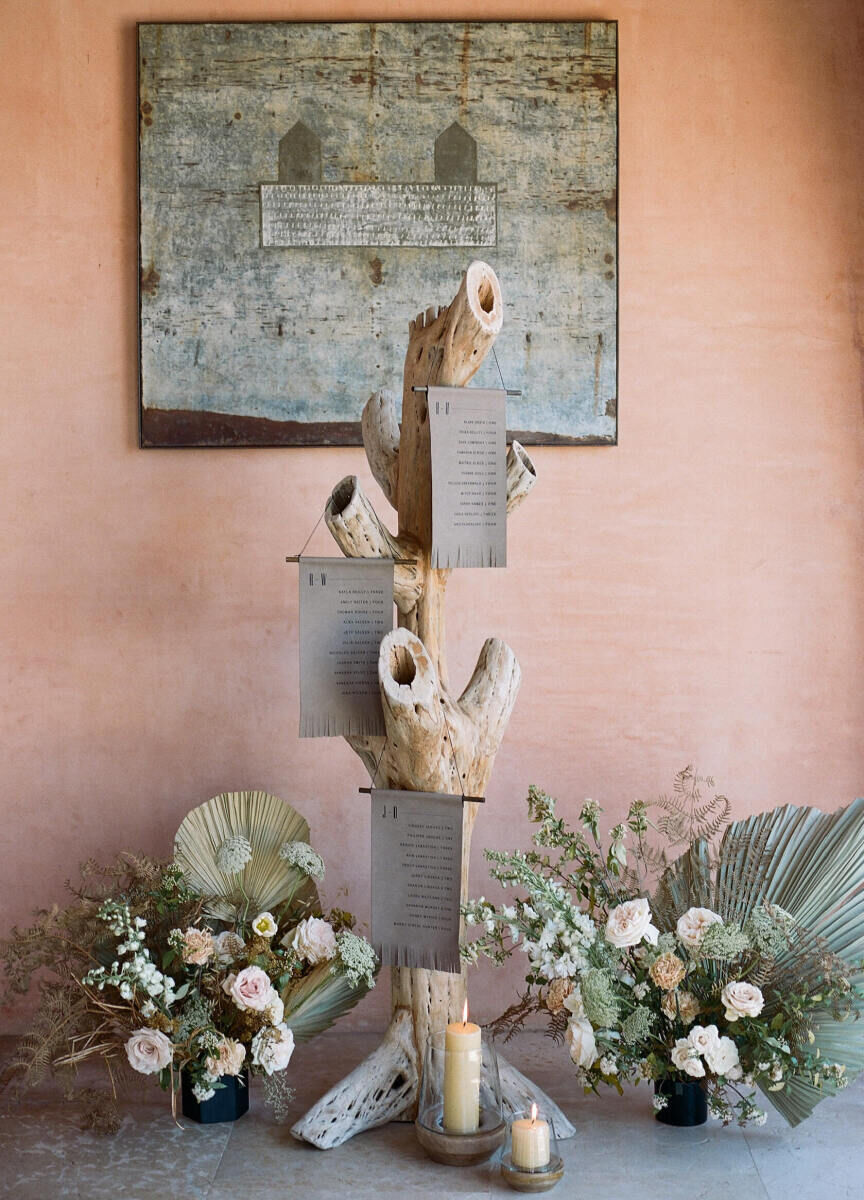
(446, 346)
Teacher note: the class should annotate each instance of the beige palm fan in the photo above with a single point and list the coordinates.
(319, 1000)
(811, 864)
(266, 881)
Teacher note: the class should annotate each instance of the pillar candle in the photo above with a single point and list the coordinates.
(530, 1142)
(462, 1061)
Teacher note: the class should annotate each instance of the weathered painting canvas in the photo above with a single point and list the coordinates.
(304, 189)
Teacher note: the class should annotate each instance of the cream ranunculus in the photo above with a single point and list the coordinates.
(227, 946)
(580, 1039)
(741, 1000)
(149, 1051)
(251, 988)
(272, 1048)
(685, 1058)
(264, 925)
(692, 925)
(557, 993)
(197, 946)
(313, 940)
(228, 1059)
(680, 1006)
(667, 971)
(630, 923)
(723, 1058)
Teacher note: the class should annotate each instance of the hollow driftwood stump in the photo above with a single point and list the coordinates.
(446, 346)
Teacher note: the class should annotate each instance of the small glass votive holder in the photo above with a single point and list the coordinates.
(530, 1161)
(459, 1120)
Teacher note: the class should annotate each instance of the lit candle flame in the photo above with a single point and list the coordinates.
(533, 1114)
(465, 1013)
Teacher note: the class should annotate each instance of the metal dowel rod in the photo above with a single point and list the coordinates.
(402, 562)
(465, 799)
(510, 391)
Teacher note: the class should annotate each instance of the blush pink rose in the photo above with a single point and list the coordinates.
(251, 988)
(149, 1051)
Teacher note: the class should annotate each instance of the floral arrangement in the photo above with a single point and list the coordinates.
(712, 978)
(143, 976)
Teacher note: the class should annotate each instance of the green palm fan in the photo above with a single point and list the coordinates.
(321, 998)
(266, 881)
(811, 864)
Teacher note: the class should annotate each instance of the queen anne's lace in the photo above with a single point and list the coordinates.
(234, 853)
(303, 857)
(357, 958)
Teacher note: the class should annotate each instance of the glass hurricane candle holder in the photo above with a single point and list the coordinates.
(459, 1119)
(530, 1162)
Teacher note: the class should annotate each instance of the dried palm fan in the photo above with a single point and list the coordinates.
(266, 881)
(811, 864)
(320, 999)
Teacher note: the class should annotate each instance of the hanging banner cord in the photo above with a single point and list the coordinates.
(295, 558)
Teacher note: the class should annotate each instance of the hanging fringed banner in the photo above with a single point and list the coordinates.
(468, 433)
(346, 608)
(416, 878)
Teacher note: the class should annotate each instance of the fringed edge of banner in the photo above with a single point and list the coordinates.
(443, 561)
(330, 725)
(397, 954)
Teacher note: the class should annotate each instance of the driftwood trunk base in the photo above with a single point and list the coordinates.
(385, 1088)
(436, 740)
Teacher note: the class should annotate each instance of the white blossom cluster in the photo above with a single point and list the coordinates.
(137, 974)
(554, 934)
(357, 958)
(202, 1090)
(303, 857)
(234, 853)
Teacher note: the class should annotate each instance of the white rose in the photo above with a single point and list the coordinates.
(630, 923)
(573, 1002)
(685, 1058)
(264, 925)
(275, 1010)
(313, 939)
(580, 1039)
(703, 1039)
(741, 1000)
(692, 925)
(149, 1051)
(723, 1059)
(272, 1048)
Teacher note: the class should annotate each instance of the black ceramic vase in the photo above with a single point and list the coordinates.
(226, 1104)
(686, 1103)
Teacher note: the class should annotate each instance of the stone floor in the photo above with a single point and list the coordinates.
(619, 1150)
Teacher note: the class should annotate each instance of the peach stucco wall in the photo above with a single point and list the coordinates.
(691, 595)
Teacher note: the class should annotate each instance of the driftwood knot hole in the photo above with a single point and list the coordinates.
(342, 495)
(402, 666)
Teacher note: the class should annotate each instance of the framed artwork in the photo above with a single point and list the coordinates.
(306, 189)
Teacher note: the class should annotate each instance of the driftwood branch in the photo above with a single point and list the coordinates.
(434, 741)
(380, 427)
(360, 533)
(381, 1089)
(521, 475)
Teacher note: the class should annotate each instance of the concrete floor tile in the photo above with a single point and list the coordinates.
(45, 1155)
(619, 1151)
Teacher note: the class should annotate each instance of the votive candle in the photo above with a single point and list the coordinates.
(530, 1142)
